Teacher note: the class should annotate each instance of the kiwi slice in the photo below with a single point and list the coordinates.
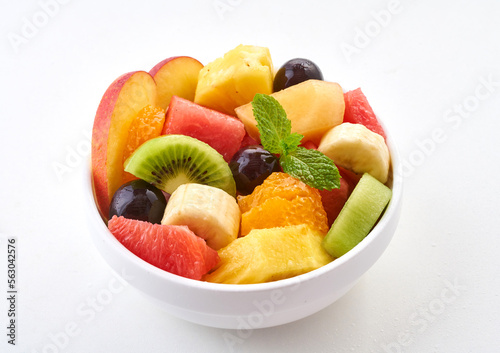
(358, 216)
(171, 160)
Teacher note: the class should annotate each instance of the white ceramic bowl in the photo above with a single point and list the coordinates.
(253, 305)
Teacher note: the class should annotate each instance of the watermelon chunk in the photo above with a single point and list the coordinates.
(359, 111)
(175, 249)
(222, 132)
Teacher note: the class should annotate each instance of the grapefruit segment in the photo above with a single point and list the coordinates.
(175, 249)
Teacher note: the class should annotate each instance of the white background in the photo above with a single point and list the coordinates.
(431, 70)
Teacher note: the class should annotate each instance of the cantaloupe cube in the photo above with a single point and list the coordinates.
(313, 106)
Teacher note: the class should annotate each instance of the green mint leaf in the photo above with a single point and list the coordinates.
(274, 127)
(312, 167)
(291, 142)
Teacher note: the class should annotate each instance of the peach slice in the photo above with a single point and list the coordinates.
(120, 105)
(176, 76)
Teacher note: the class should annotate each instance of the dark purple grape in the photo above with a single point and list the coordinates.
(139, 200)
(296, 71)
(251, 165)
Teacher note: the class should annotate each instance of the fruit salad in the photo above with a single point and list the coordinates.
(232, 172)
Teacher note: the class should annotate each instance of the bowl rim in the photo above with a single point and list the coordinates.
(391, 210)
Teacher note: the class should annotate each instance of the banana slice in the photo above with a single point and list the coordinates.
(211, 213)
(356, 148)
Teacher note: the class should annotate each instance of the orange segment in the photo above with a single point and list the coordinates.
(277, 184)
(279, 212)
(280, 201)
(147, 124)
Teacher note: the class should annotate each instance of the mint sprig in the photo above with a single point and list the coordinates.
(274, 127)
(308, 165)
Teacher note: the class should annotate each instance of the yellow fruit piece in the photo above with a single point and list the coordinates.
(355, 147)
(278, 212)
(321, 107)
(279, 201)
(266, 255)
(210, 212)
(147, 124)
(277, 184)
(234, 79)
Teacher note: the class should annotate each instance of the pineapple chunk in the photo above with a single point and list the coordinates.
(234, 79)
(271, 254)
(313, 106)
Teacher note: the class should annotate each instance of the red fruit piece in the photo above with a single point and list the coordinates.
(248, 141)
(351, 177)
(309, 145)
(334, 200)
(222, 132)
(359, 111)
(174, 249)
